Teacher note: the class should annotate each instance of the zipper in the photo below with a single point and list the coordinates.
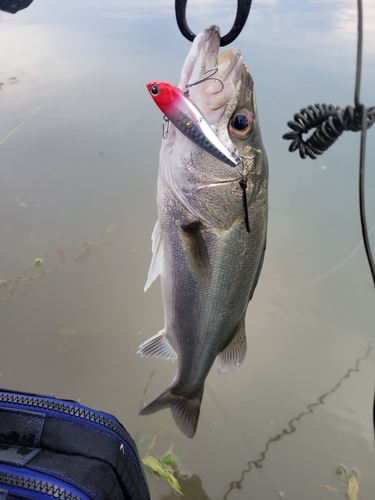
(36, 485)
(77, 411)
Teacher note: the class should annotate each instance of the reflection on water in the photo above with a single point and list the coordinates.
(193, 488)
(291, 424)
(48, 264)
(86, 157)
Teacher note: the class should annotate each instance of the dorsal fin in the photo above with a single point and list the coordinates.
(196, 251)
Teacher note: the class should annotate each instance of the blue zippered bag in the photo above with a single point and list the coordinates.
(59, 449)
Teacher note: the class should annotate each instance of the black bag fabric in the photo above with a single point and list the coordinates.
(60, 449)
(13, 6)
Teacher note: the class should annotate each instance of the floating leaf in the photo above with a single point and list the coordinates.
(161, 470)
(342, 472)
(330, 488)
(353, 487)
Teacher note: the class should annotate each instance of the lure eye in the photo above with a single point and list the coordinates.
(241, 124)
(155, 90)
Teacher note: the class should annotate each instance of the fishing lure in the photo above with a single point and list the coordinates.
(188, 119)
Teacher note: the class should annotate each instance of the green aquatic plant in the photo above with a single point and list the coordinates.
(349, 482)
(171, 459)
(342, 472)
(155, 430)
(160, 470)
(167, 467)
(13, 285)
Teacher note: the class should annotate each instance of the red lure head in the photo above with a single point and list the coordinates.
(165, 95)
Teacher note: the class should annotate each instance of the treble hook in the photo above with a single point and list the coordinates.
(243, 9)
(212, 72)
(165, 127)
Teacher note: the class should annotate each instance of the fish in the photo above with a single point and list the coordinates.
(209, 241)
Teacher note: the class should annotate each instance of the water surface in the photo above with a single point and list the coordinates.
(86, 160)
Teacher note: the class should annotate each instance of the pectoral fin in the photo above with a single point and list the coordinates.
(234, 353)
(157, 347)
(157, 256)
(196, 251)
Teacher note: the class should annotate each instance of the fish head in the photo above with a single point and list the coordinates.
(210, 96)
(208, 188)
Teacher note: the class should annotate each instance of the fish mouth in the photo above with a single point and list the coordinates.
(210, 96)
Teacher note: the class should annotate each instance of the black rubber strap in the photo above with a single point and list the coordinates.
(243, 9)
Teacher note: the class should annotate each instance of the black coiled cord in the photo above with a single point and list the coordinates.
(329, 121)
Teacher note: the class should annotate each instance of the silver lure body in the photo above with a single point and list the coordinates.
(209, 264)
(191, 122)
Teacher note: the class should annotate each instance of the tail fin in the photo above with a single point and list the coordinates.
(185, 411)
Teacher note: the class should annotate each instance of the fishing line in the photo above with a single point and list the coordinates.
(329, 122)
(342, 263)
(67, 81)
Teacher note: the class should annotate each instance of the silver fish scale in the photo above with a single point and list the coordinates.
(201, 319)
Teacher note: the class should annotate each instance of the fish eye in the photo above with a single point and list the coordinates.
(241, 124)
(155, 90)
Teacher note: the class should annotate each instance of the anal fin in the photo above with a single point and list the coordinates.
(196, 251)
(157, 347)
(234, 353)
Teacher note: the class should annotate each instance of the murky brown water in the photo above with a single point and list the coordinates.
(86, 160)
